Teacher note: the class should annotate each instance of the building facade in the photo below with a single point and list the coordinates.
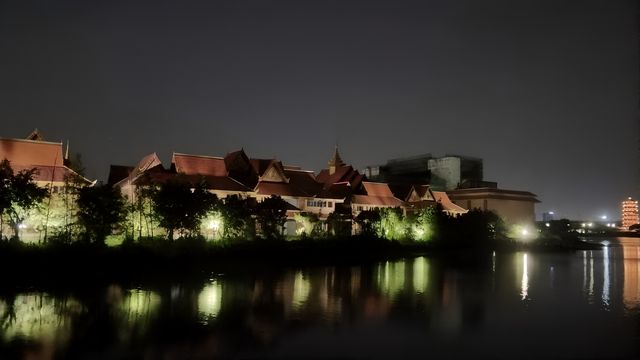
(630, 216)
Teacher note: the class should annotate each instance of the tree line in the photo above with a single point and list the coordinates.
(180, 208)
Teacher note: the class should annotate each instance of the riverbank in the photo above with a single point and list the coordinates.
(161, 259)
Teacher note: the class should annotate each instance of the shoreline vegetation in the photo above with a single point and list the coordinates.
(155, 258)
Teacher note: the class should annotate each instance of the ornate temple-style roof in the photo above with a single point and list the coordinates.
(198, 165)
(335, 160)
(46, 157)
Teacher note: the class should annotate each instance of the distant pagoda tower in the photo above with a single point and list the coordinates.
(630, 213)
(335, 162)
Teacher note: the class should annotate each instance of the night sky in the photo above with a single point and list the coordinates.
(546, 92)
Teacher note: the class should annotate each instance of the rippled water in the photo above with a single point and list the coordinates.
(516, 305)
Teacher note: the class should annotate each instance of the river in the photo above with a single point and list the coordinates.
(506, 305)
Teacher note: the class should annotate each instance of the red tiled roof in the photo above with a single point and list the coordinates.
(335, 191)
(304, 181)
(260, 165)
(376, 200)
(278, 188)
(377, 189)
(31, 153)
(342, 174)
(199, 165)
(50, 173)
(442, 198)
(147, 162)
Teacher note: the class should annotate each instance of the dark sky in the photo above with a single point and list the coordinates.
(545, 91)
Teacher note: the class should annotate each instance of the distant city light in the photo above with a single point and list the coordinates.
(603, 217)
(547, 224)
(551, 213)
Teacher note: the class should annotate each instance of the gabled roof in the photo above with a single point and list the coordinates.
(376, 194)
(260, 165)
(342, 174)
(376, 200)
(148, 162)
(199, 165)
(31, 152)
(45, 157)
(443, 199)
(377, 189)
(118, 173)
(240, 169)
(51, 173)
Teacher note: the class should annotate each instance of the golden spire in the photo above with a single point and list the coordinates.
(335, 161)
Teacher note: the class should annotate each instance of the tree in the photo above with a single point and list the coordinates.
(339, 221)
(369, 221)
(6, 173)
(392, 224)
(309, 224)
(271, 214)
(237, 217)
(101, 209)
(20, 194)
(180, 207)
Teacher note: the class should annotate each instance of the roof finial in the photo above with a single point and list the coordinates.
(66, 153)
(335, 160)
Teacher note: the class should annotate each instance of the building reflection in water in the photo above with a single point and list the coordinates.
(606, 276)
(631, 288)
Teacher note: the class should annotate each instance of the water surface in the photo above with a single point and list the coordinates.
(507, 305)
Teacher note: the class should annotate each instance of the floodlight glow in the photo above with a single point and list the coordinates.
(547, 224)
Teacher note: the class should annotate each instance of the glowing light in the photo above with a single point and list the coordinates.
(547, 225)
(590, 224)
(420, 275)
(22, 226)
(524, 283)
(551, 213)
(603, 217)
(39, 317)
(393, 277)
(301, 290)
(525, 232)
(210, 301)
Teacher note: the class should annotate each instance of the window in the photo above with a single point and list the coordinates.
(330, 204)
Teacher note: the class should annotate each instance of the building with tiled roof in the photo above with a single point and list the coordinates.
(47, 158)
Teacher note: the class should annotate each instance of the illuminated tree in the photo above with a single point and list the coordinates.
(20, 195)
(101, 209)
(423, 224)
(392, 224)
(309, 224)
(178, 206)
(271, 215)
(237, 217)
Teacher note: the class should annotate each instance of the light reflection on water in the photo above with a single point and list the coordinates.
(284, 312)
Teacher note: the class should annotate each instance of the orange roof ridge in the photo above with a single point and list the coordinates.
(32, 141)
(195, 155)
